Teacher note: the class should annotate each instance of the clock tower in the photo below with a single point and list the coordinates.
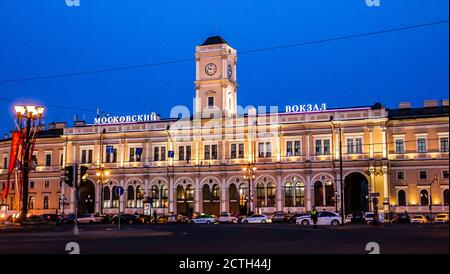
(215, 80)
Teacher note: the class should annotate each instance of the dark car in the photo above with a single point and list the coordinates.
(106, 218)
(68, 218)
(35, 220)
(126, 219)
(279, 217)
(402, 218)
(358, 217)
(293, 217)
(52, 218)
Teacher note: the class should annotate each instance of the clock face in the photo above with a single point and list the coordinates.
(210, 69)
(230, 71)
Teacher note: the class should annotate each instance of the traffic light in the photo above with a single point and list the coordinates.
(83, 173)
(68, 175)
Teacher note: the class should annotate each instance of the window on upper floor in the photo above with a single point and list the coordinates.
(293, 148)
(111, 154)
(445, 174)
(399, 146)
(322, 147)
(237, 151)
(86, 156)
(31, 185)
(5, 162)
(34, 159)
(46, 184)
(210, 102)
(400, 175)
(184, 153)
(423, 175)
(48, 159)
(264, 149)
(135, 154)
(421, 145)
(210, 152)
(159, 153)
(354, 145)
(443, 144)
(61, 159)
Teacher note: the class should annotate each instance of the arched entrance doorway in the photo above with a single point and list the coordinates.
(185, 200)
(86, 201)
(233, 200)
(356, 193)
(243, 199)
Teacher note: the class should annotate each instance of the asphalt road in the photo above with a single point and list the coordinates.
(226, 239)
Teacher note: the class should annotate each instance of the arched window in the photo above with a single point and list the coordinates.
(46, 202)
(206, 193)
(130, 196)
(31, 202)
(154, 194)
(243, 193)
(234, 194)
(288, 195)
(106, 197)
(271, 190)
(401, 198)
(115, 198)
(445, 198)
(329, 193)
(190, 193)
(318, 193)
(299, 194)
(164, 196)
(424, 197)
(139, 196)
(180, 194)
(216, 192)
(260, 195)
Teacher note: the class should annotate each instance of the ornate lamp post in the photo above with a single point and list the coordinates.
(29, 120)
(435, 179)
(249, 175)
(102, 175)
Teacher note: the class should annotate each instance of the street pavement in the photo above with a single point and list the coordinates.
(227, 239)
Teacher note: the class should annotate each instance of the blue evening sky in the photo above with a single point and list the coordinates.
(44, 37)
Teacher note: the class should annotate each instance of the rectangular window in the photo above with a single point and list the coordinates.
(444, 144)
(260, 150)
(156, 154)
(326, 147)
(400, 175)
(163, 153)
(48, 159)
(268, 149)
(233, 153)
(34, 159)
(180, 153)
(350, 148)
(207, 152)
(31, 184)
(86, 156)
(297, 151)
(210, 102)
(46, 184)
(399, 146)
(61, 159)
(423, 175)
(111, 157)
(188, 153)
(83, 156)
(135, 154)
(319, 147)
(241, 150)
(90, 156)
(5, 163)
(445, 174)
(214, 152)
(421, 145)
(358, 145)
(289, 151)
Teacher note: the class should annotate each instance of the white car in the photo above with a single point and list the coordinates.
(204, 219)
(89, 219)
(257, 219)
(324, 218)
(226, 217)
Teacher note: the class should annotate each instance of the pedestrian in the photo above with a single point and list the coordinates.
(314, 215)
(155, 216)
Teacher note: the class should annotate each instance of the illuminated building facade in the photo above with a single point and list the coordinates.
(195, 164)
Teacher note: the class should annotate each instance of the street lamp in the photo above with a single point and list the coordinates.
(249, 175)
(29, 120)
(435, 179)
(102, 175)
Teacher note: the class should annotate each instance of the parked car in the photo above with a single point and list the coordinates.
(68, 218)
(358, 217)
(35, 220)
(130, 219)
(204, 219)
(419, 219)
(89, 219)
(294, 217)
(279, 217)
(145, 219)
(257, 219)
(441, 218)
(52, 218)
(176, 219)
(324, 218)
(227, 217)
